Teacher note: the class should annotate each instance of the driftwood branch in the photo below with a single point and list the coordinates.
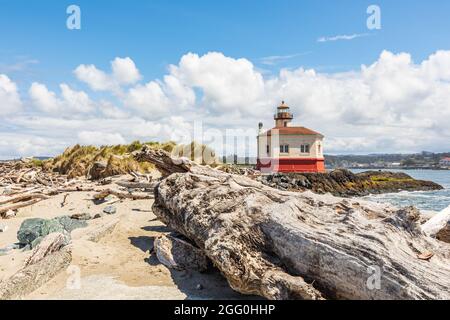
(24, 197)
(284, 245)
(163, 161)
(136, 185)
(122, 195)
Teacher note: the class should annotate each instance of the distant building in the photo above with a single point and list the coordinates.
(445, 162)
(286, 148)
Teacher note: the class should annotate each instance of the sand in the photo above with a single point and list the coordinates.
(120, 265)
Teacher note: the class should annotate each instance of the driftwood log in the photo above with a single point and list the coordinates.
(122, 195)
(284, 245)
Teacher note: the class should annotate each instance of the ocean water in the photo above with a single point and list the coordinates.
(429, 200)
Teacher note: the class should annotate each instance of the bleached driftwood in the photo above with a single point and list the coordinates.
(24, 197)
(175, 253)
(136, 185)
(439, 226)
(50, 244)
(33, 276)
(266, 241)
(122, 195)
(19, 205)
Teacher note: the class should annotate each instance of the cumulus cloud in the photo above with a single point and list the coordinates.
(10, 101)
(124, 72)
(69, 101)
(227, 84)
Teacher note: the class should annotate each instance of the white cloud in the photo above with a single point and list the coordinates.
(124, 72)
(343, 37)
(99, 138)
(43, 99)
(70, 100)
(226, 83)
(10, 101)
(109, 110)
(148, 100)
(273, 60)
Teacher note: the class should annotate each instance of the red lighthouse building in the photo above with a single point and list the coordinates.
(287, 148)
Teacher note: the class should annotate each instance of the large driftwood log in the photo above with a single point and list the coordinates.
(265, 241)
(33, 276)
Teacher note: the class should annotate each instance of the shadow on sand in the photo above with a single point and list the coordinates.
(195, 285)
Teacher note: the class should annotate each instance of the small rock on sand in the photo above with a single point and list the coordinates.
(81, 216)
(110, 210)
(3, 227)
(10, 214)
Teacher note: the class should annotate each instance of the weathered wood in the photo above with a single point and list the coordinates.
(32, 277)
(136, 185)
(24, 197)
(439, 226)
(19, 205)
(163, 161)
(122, 195)
(266, 241)
(50, 244)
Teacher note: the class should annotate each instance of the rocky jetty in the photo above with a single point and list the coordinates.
(344, 183)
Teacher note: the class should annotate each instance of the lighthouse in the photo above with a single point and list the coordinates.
(287, 148)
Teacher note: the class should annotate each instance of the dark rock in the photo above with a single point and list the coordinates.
(99, 215)
(344, 183)
(29, 230)
(81, 216)
(33, 230)
(70, 224)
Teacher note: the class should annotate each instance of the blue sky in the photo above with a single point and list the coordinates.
(156, 33)
(36, 46)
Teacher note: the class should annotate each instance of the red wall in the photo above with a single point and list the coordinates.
(291, 165)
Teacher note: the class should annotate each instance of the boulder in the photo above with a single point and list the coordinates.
(30, 230)
(33, 230)
(71, 224)
(176, 253)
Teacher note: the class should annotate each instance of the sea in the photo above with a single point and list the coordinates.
(424, 200)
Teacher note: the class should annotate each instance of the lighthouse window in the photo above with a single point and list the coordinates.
(284, 148)
(267, 149)
(304, 148)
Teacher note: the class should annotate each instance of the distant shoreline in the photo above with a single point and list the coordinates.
(391, 168)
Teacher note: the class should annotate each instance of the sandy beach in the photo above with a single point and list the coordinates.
(118, 266)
